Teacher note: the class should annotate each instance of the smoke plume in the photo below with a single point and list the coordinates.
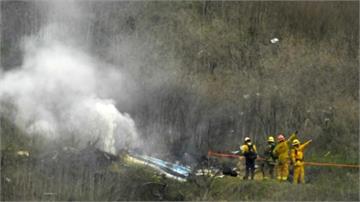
(60, 91)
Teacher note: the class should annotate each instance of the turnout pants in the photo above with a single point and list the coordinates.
(249, 169)
(299, 174)
(268, 167)
(283, 170)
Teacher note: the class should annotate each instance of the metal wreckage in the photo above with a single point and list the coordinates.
(94, 158)
(214, 164)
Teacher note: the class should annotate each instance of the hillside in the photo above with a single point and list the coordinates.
(174, 79)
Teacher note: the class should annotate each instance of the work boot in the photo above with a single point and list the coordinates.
(252, 175)
(246, 174)
(246, 177)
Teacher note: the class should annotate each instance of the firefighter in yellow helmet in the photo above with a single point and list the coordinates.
(248, 149)
(269, 158)
(281, 151)
(297, 158)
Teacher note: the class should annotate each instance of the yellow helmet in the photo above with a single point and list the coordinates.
(295, 142)
(271, 139)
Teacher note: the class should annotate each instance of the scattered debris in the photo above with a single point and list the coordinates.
(23, 153)
(70, 149)
(274, 40)
(207, 172)
(229, 171)
(55, 156)
(7, 179)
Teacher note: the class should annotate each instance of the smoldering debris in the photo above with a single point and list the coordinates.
(90, 159)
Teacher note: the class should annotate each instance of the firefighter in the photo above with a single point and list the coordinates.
(297, 158)
(249, 151)
(281, 151)
(269, 158)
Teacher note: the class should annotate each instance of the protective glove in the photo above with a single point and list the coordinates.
(298, 163)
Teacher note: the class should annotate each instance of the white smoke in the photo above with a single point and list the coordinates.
(60, 91)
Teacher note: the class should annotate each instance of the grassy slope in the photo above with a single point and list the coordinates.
(32, 179)
(128, 181)
(324, 184)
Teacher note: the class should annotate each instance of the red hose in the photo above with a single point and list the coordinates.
(217, 154)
